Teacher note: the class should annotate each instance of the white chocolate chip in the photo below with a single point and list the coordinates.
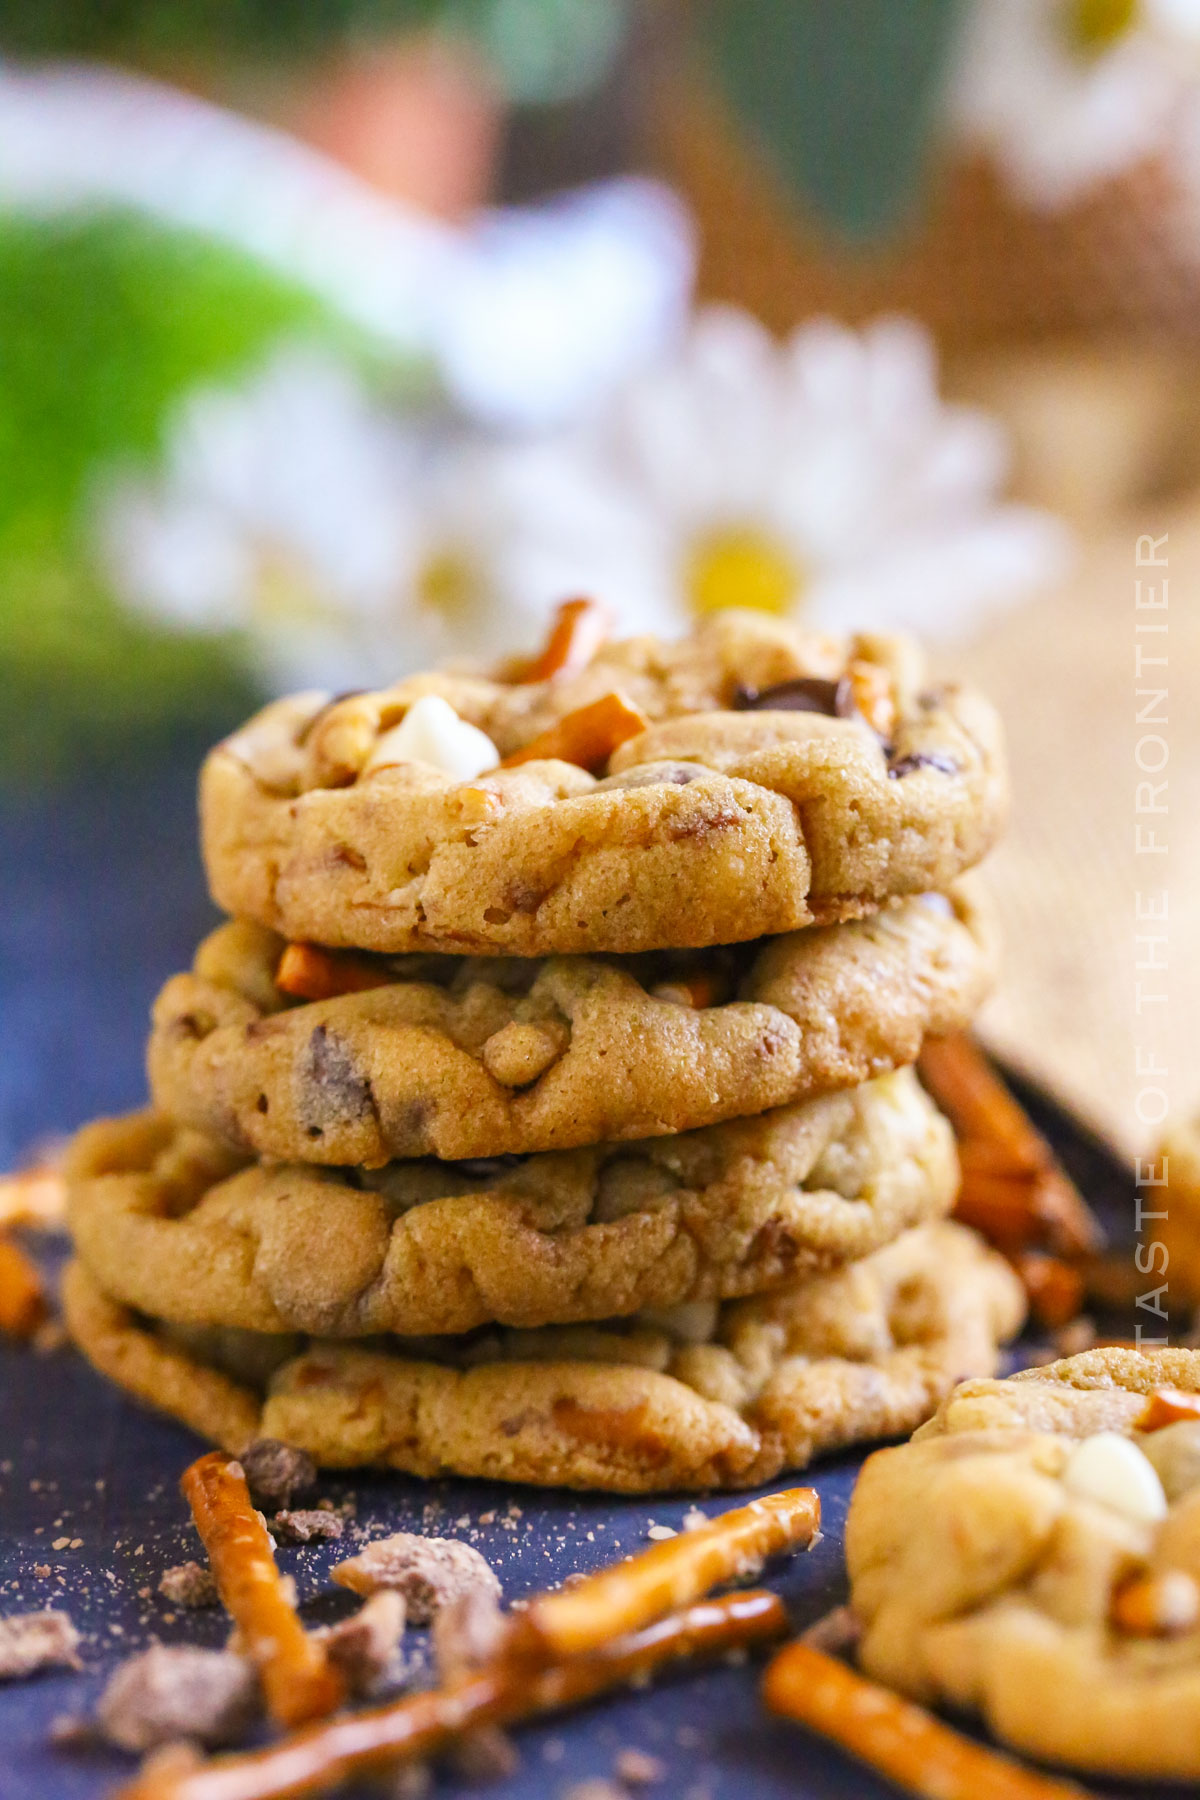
(1111, 1470)
(1175, 1454)
(432, 732)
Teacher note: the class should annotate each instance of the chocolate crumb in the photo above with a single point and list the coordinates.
(188, 1584)
(33, 1641)
(308, 1526)
(466, 1633)
(636, 1768)
(428, 1571)
(835, 1632)
(485, 1754)
(364, 1646)
(177, 1692)
(275, 1472)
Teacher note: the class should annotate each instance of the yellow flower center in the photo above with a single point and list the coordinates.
(741, 568)
(449, 585)
(1095, 25)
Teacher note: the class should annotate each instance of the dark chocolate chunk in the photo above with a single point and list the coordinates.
(334, 1092)
(807, 693)
(923, 759)
(275, 1472)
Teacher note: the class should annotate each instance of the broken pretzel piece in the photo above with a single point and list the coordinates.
(310, 973)
(23, 1304)
(588, 736)
(323, 1756)
(576, 1620)
(579, 629)
(895, 1737)
(298, 1681)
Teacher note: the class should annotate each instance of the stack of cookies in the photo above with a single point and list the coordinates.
(545, 1110)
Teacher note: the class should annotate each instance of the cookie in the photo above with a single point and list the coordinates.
(782, 778)
(1034, 1556)
(701, 1397)
(166, 1224)
(466, 1057)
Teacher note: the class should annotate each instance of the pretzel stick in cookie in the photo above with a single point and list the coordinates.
(575, 1620)
(1013, 1188)
(588, 736)
(895, 1737)
(1167, 1406)
(22, 1296)
(298, 1680)
(580, 627)
(311, 973)
(323, 1756)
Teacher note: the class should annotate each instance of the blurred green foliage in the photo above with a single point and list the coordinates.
(843, 97)
(104, 321)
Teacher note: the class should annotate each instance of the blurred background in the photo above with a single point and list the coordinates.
(341, 335)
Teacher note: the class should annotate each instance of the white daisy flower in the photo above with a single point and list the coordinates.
(822, 477)
(347, 546)
(1065, 94)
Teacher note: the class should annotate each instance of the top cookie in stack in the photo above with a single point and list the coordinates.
(570, 1006)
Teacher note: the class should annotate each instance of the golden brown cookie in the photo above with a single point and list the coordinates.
(465, 1057)
(1034, 1556)
(782, 778)
(701, 1397)
(168, 1223)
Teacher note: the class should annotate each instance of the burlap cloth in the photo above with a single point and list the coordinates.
(1066, 878)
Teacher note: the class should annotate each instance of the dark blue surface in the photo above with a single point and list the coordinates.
(102, 900)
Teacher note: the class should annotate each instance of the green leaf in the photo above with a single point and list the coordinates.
(842, 96)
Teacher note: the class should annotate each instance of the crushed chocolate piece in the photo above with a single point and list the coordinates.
(637, 1768)
(33, 1641)
(485, 1754)
(275, 1472)
(307, 1526)
(176, 1692)
(428, 1571)
(807, 693)
(466, 1633)
(364, 1646)
(411, 1781)
(188, 1584)
(335, 1091)
(922, 759)
(835, 1632)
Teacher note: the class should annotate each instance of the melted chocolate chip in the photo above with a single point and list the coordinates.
(807, 693)
(334, 1092)
(923, 759)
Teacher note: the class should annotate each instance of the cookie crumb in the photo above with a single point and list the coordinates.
(599, 1787)
(307, 1526)
(637, 1768)
(411, 1781)
(428, 1572)
(173, 1693)
(33, 1641)
(187, 1584)
(275, 1472)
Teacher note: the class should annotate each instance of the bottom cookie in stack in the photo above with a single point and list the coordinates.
(697, 1311)
(704, 1396)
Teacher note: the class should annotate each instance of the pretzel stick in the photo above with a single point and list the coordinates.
(580, 627)
(321, 1757)
(705, 988)
(35, 1196)
(895, 1737)
(22, 1296)
(998, 1139)
(588, 736)
(575, 1620)
(298, 1681)
(315, 974)
(1055, 1288)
